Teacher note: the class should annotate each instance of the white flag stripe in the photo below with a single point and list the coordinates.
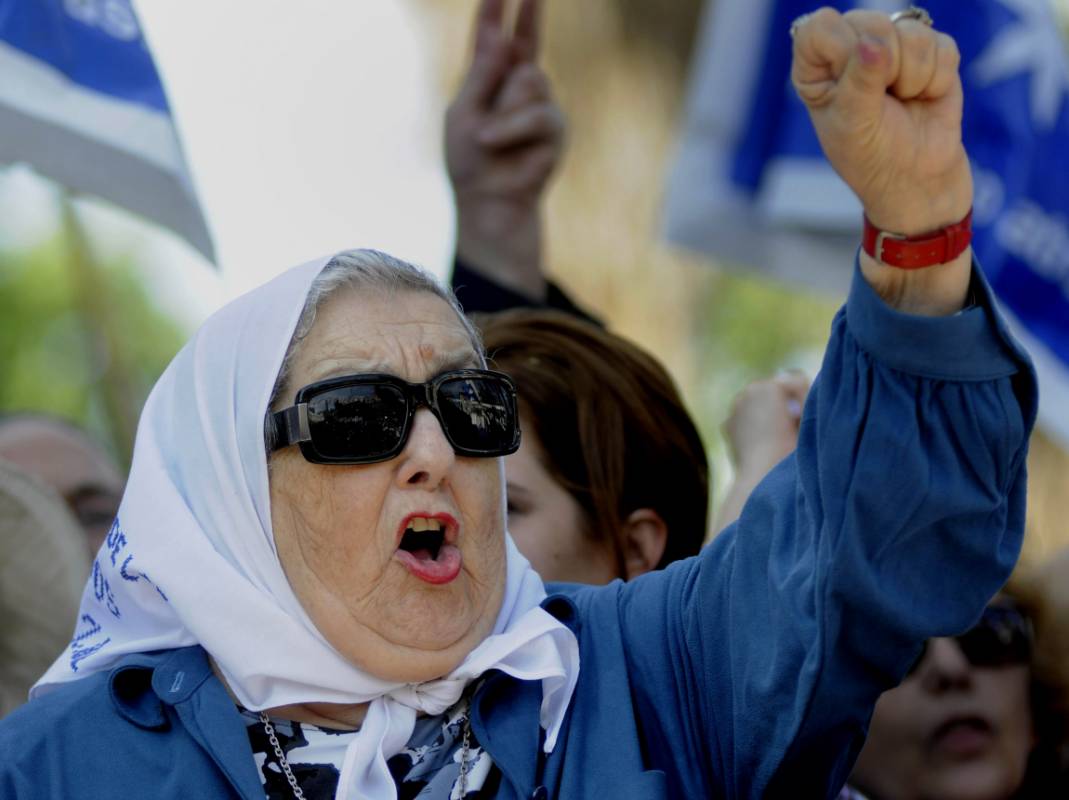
(123, 152)
(797, 191)
(42, 92)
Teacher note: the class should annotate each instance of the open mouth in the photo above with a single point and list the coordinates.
(423, 538)
(427, 548)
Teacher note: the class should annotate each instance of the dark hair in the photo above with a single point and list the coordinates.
(610, 422)
(1048, 764)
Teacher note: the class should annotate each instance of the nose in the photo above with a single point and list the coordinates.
(945, 667)
(428, 457)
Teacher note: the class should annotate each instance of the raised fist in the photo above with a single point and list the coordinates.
(886, 101)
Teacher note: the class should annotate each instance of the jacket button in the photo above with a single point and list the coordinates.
(540, 793)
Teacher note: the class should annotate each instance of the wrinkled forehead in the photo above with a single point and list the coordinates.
(412, 334)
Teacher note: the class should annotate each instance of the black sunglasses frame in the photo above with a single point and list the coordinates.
(290, 425)
(1016, 639)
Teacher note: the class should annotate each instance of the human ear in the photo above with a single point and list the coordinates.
(645, 536)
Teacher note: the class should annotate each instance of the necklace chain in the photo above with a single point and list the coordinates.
(283, 762)
(465, 749)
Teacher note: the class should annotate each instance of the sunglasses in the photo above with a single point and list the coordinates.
(362, 419)
(1002, 637)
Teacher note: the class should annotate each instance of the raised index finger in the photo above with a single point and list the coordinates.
(488, 25)
(490, 61)
(525, 40)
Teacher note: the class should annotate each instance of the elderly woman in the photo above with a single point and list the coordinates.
(340, 613)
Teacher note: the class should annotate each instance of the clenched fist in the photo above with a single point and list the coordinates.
(885, 99)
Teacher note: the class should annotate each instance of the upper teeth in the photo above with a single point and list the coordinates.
(418, 524)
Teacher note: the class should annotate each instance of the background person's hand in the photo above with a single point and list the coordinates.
(886, 102)
(763, 426)
(761, 431)
(504, 135)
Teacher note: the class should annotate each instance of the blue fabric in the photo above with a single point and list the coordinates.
(98, 46)
(1015, 128)
(747, 671)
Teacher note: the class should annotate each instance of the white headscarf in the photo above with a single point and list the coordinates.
(191, 558)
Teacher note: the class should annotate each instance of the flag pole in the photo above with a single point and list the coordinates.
(110, 374)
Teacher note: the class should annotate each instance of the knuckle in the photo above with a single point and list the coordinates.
(530, 75)
(872, 22)
(554, 118)
(825, 16)
(949, 53)
(918, 42)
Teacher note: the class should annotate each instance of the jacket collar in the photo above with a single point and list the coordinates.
(144, 686)
(505, 714)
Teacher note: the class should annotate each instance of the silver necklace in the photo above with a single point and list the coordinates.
(281, 756)
(283, 762)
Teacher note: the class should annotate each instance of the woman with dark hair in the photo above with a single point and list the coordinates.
(611, 478)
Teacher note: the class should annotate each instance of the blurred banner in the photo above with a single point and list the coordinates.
(751, 187)
(81, 102)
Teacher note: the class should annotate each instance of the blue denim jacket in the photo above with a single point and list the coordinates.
(748, 671)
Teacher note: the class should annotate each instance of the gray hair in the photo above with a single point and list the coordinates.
(366, 270)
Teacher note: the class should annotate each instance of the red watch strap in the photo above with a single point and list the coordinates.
(916, 252)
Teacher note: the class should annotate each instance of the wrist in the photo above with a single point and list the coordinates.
(758, 463)
(915, 210)
(504, 246)
(937, 290)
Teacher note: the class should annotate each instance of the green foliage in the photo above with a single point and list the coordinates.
(760, 324)
(749, 328)
(45, 349)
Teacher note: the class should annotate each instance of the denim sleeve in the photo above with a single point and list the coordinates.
(755, 665)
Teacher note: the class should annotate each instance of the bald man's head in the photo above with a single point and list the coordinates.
(64, 457)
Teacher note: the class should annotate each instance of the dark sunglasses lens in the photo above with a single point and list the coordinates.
(357, 423)
(1000, 638)
(478, 415)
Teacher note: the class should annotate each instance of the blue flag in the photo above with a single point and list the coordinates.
(81, 102)
(751, 187)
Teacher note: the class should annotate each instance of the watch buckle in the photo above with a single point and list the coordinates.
(881, 237)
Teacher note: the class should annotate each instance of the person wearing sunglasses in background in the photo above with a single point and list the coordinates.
(286, 607)
(971, 720)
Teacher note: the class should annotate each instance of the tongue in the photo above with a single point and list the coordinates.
(432, 570)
